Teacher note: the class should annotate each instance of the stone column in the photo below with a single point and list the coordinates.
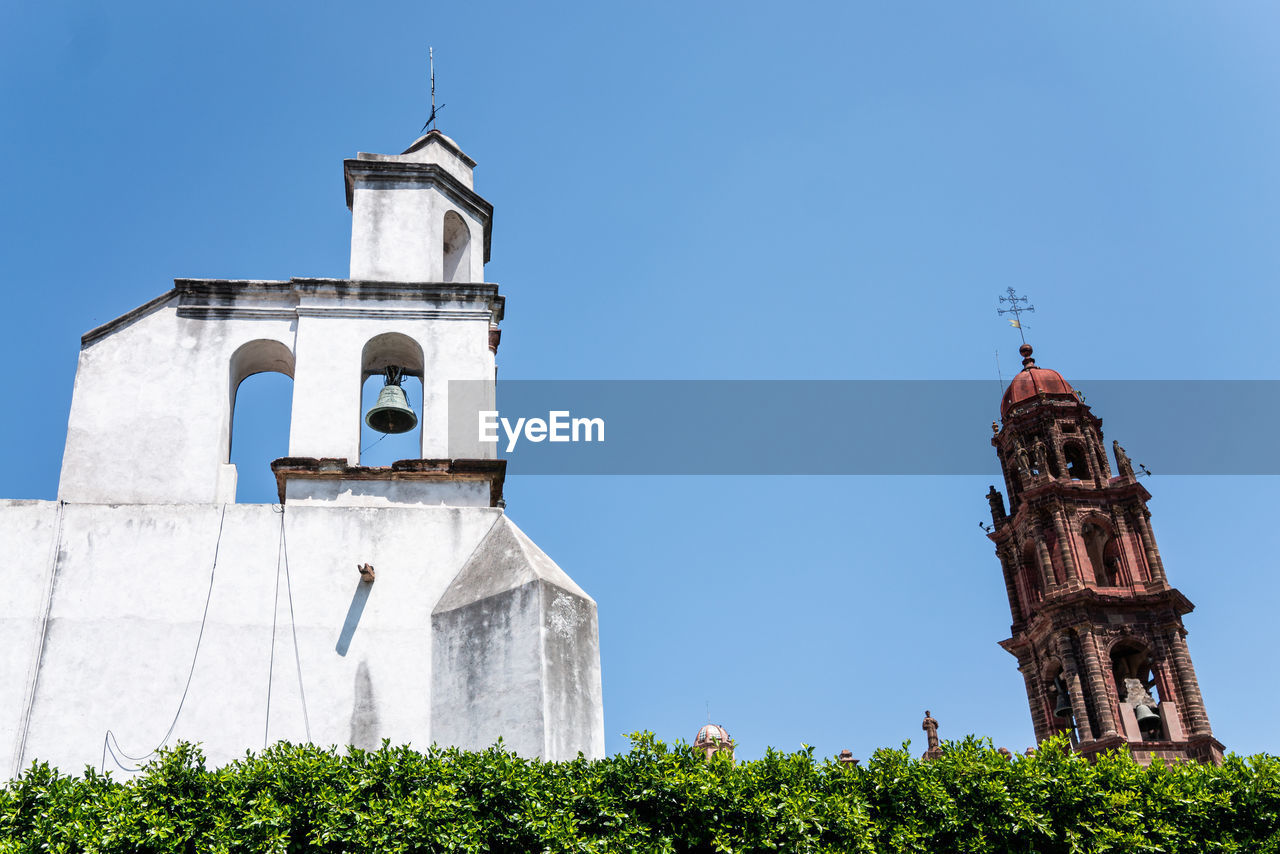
(1036, 700)
(1122, 538)
(1143, 524)
(1097, 680)
(1055, 449)
(1070, 673)
(1099, 454)
(1193, 704)
(1046, 563)
(1064, 545)
(1009, 563)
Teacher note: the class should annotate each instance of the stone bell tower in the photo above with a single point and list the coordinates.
(1097, 629)
(147, 605)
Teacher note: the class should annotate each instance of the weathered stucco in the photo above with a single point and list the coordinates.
(107, 588)
(513, 617)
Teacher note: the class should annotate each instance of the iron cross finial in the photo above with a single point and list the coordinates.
(431, 119)
(1015, 308)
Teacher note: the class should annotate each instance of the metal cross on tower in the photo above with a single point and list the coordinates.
(1015, 308)
(431, 119)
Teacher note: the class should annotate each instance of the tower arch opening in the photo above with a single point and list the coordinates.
(397, 351)
(260, 397)
(1057, 697)
(457, 248)
(1076, 460)
(1137, 685)
(1103, 549)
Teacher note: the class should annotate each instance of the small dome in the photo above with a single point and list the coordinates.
(1031, 381)
(712, 734)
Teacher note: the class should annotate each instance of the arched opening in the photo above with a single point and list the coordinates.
(457, 248)
(1104, 554)
(1058, 699)
(391, 349)
(260, 403)
(1077, 467)
(1136, 686)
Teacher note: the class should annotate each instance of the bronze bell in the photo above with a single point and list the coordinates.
(392, 413)
(1062, 709)
(1148, 720)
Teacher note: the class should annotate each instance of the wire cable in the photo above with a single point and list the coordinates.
(282, 553)
(293, 625)
(109, 742)
(275, 610)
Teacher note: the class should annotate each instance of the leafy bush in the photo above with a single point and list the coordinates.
(654, 798)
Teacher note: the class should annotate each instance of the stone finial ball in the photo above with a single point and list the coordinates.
(1025, 350)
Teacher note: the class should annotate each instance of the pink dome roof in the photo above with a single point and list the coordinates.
(1032, 381)
(710, 734)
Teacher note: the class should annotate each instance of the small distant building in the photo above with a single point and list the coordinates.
(713, 739)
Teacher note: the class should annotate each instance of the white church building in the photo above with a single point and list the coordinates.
(144, 606)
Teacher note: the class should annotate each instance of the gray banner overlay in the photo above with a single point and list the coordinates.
(848, 426)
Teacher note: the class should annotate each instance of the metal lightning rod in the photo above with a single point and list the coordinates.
(431, 119)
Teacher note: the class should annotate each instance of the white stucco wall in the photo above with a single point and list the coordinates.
(398, 212)
(398, 234)
(129, 590)
(27, 543)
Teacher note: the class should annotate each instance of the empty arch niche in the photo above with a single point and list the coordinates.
(260, 400)
(457, 248)
(381, 352)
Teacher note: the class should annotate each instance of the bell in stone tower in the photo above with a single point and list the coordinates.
(392, 413)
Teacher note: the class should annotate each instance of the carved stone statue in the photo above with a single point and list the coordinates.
(1136, 694)
(1042, 459)
(930, 727)
(1023, 463)
(996, 501)
(1122, 461)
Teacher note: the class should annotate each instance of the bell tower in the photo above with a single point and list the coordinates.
(1097, 628)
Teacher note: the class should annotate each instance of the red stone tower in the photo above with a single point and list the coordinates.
(1097, 630)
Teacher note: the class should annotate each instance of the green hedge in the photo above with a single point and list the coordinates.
(654, 798)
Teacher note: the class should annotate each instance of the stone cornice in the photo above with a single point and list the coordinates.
(1089, 606)
(277, 299)
(1079, 493)
(441, 470)
(425, 174)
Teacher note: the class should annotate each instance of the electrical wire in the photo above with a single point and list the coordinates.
(109, 742)
(282, 552)
(384, 435)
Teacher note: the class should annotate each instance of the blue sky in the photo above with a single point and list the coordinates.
(737, 191)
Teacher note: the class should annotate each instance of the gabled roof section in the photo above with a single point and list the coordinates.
(505, 560)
